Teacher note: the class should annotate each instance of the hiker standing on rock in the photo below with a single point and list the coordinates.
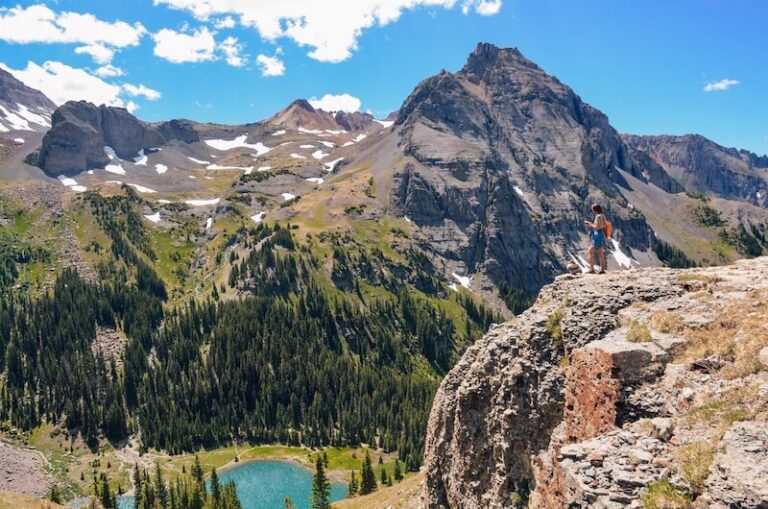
(599, 239)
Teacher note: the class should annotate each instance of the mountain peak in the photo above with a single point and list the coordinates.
(303, 104)
(487, 56)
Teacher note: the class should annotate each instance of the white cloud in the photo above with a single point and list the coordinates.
(233, 52)
(225, 22)
(179, 48)
(488, 7)
(270, 66)
(62, 83)
(341, 102)
(330, 27)
(101, 54)
(40, 24)
(141, 90)
(109, 71)
(725, 84)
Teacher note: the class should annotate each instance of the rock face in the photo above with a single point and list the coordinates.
(595, 396)
(22, 108)
(80, 131)
(703, 166)
(501, 163)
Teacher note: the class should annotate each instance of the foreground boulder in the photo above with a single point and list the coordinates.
(637, 388)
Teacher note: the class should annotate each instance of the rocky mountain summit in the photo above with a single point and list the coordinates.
(647, 388)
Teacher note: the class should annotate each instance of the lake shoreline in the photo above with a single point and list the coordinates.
(335, 476)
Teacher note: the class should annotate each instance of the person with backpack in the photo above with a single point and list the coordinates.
(600, 232)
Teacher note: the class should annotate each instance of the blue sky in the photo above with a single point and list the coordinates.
(646, 64)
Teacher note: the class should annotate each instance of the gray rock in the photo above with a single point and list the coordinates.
(740, 469)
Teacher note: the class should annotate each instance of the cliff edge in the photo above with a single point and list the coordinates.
(643, 388)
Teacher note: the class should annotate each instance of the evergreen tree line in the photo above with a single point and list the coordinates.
(292, 362)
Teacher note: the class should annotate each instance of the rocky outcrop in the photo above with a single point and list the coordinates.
(702, 166)
(610, 391)
(354, 121)
(81, 130)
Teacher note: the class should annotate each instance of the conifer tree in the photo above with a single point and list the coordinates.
(288, 503)
(367, 476)
(353, 487)
(384, 476)
(321, 488)
(398, 471)
(215, 486)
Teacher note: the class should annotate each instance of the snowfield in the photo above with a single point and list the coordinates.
(203, 203)
(141, 159)
(319, 154)
(161, 168)
(315, 180)
(622, 259)
(279, 133)
(238, 142)
(463, 280)
(519, 192)
(309, 131)
(297, 156)
(360, 137)
(198, 161)
(328, 144)
(142, 189)
(288, 196)
(385, 123)
(332, 165)
(115, 168)
(306, 146)
(262, 169)
(257, 218)
(21, 140)
(155, 218)
(208, 223)
(220, 167)
(72, 184)
(110, 152)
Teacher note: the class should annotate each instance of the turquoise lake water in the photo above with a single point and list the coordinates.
(265, 484)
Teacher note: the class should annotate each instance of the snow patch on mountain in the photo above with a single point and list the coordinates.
(288, 196)
(330, 166)
(155, 218)
(463, 280)
(161, 168)
(198, 161)
(140, 159)
(202, 203)
(238, 142)
(117, 169)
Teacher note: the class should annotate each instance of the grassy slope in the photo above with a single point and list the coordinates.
(402, 495)
(9, 500)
